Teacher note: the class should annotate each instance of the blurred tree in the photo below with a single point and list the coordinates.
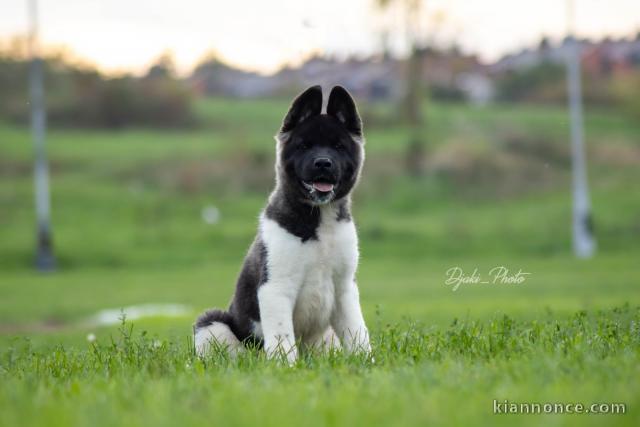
(81, 96)
(544, 83)
(626, 89)
(544, 44)
(414, 85)
(164, 67)
(208, 75)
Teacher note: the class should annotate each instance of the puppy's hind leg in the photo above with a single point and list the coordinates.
(213, 330)
(330, 339)
(323, 342)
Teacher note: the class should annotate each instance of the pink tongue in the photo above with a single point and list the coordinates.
(322, 187)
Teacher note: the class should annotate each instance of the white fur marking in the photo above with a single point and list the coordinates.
(257, 329)
(216, 334)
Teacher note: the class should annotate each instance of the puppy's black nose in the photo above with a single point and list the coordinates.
(323, 163)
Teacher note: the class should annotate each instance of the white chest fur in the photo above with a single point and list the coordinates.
(311, 273)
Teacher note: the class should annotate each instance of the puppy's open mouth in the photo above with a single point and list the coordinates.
(323, 187)
(319, 188)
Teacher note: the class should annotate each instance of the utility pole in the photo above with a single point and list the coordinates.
(44, 255)
(584, 244)
(414, 88)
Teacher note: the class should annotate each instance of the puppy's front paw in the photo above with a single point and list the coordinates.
(285, 354)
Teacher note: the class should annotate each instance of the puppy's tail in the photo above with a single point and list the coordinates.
(213, 329)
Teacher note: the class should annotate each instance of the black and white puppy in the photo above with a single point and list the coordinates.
(297, 284)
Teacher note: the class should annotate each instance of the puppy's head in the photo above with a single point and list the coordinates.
(320, 155)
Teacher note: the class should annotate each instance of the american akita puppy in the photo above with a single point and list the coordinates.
(297, 285)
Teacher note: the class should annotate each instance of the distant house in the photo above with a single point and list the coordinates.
(477, 87)
(371, 78)
(447, 73)
(374, 78)
(612, 57)
(598, 58)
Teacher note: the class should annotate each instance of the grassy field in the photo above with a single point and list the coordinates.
(128, 231)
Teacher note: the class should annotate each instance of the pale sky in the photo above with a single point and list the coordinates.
(262, 35)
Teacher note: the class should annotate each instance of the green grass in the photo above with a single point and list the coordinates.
(420, 375)
(128, 230)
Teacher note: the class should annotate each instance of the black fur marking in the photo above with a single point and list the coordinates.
(307, 104)
(298, 218)
(263, 256)
(244, 308)
(320, 136)
(209, 317)
(342, 107)
(344, 213)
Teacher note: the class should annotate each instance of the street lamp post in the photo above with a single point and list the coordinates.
(44, 254)
(584, 244)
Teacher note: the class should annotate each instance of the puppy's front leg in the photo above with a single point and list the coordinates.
(276, 301)
(347, 320)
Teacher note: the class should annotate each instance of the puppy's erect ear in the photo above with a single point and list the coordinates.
(307, 104)
(342, 107)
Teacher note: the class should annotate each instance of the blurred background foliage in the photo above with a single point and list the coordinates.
(158, 177)
(80, 95)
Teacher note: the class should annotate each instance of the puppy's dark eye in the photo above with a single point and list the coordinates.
(303, 145)
(338, 147)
